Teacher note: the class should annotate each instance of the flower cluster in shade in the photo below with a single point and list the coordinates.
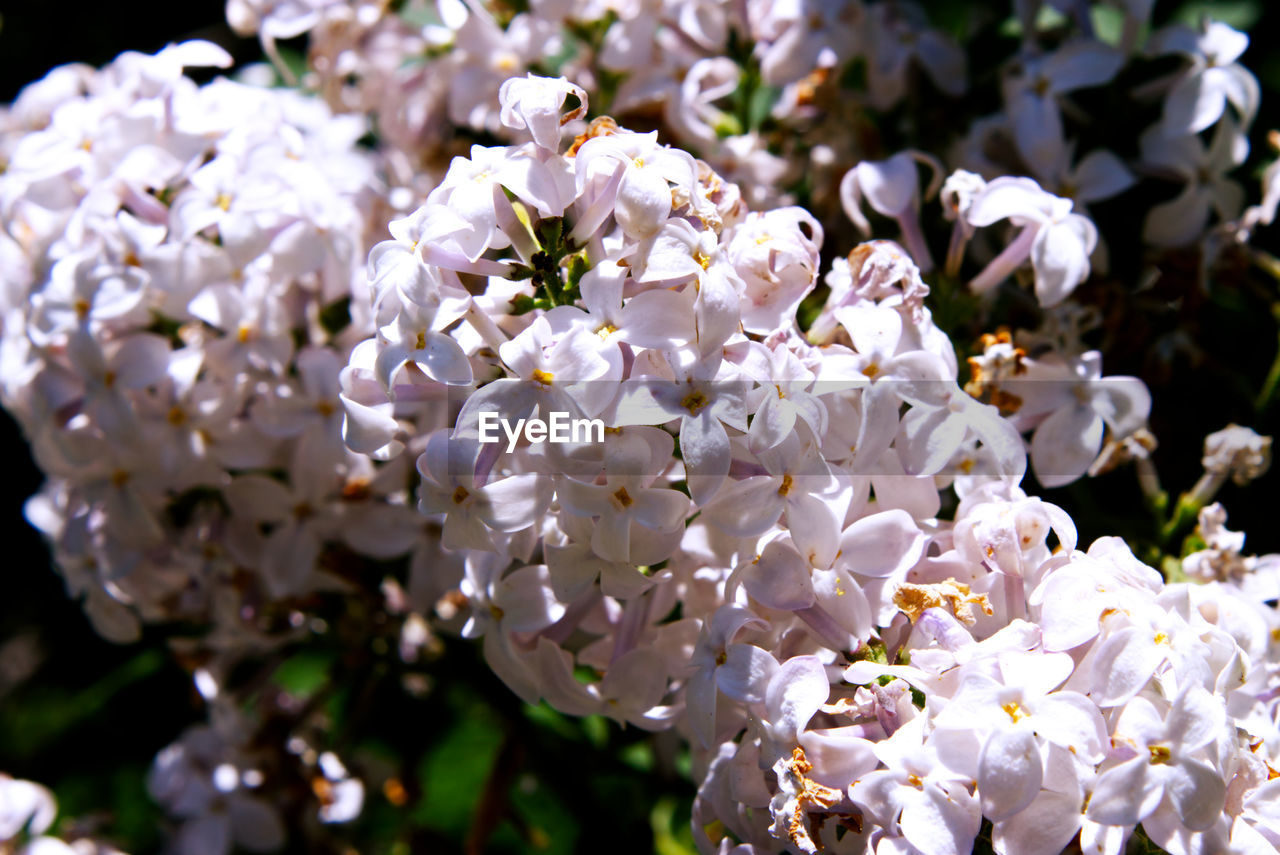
(171, 257)
(427, 68)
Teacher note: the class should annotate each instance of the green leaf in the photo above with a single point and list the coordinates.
(517, 272)
(1048, 18)
(670, 837)
(120, 794)
(578, 266)
(294, 62)
(453, 773)
(1239, 14)
(1108, 25)
(550, 826)
(1172, 570)
(303, 673)
(596, 727)
(418, 14)
(167, 327)
(638, 755)
(543, 716)
(549, 233)
(46, 716)
(523, 303)
(1193, 543)
(727, 125)
(760, 105)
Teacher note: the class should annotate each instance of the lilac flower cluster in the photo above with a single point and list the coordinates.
(803, 543)
(783, 490)
(170, 254)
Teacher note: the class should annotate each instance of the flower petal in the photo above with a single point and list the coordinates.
(1009, 772)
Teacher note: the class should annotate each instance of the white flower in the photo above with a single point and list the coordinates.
(1183, 219)
(643, 200)
(1011, 722)
(626, 504)
(891, 187)
(24, 805)
(473, 508)
(1057, 241)
(776, 255)
(898, 34)
(1032, 96)
(1165, 760)
(1214, 79)
(741, 671)
(929, 805)
(200, 778)
(535, 103)
(1070, 403)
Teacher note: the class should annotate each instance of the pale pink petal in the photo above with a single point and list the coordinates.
(1044, 827)
(941, 823)
(1065, 444)
(746, 672)
(1009, 772)
(704, 445)
(1007, 198)
(1180, 221)
(1125, 795)
(1101, 175)
(526, 601)
(1060, 256)
(795, 692)
(366, 429)
(1194, 104)
(1072, 721)
(611, 537)
(660, 509)
(746, 508)
(815, 525)
(882, 544)
(779, 578)
(259, 498)
(1124, 664)
(514, 503)
(1198, 793)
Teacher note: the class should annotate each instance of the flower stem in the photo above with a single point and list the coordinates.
(1263, 401)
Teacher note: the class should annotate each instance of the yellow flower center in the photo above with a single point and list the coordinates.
(1014, 710)
(694, 401)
